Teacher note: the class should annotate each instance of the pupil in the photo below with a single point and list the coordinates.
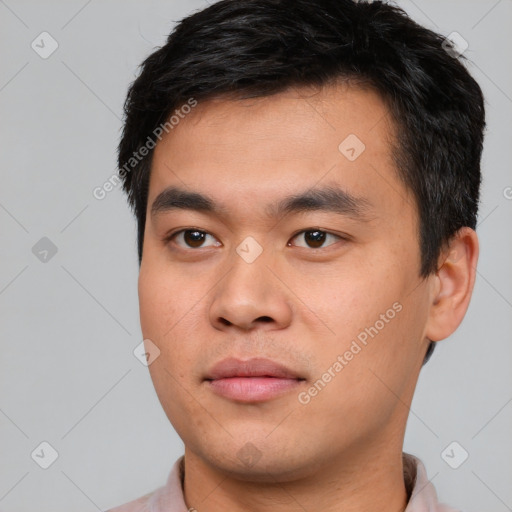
(194, 238)
(315, 238)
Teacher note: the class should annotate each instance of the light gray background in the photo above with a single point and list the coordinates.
(68, 326)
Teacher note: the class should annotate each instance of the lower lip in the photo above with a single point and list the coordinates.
(253, 389)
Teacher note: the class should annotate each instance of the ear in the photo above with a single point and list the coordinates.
(452, 285)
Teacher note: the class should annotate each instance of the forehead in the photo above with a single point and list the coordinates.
(244, 150)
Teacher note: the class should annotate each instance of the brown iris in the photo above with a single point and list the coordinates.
(315, 239)
(194, 238)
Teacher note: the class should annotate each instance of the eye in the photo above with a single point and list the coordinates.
(192, 238)
(315, 238)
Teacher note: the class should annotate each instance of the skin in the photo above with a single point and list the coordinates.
(295, 304)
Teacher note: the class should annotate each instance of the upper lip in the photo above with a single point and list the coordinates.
(255, 367)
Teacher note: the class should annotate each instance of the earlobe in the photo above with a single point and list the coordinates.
(452, 285)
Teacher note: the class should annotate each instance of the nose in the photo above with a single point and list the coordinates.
(250, 296)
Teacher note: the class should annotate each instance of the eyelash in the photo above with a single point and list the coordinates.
(172, 236)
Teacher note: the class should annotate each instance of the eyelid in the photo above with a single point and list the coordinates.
(339, 236)
(169, 237)
(323, 230)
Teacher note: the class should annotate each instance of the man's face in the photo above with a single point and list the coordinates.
(328, 288)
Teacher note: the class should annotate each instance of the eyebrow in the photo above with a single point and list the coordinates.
(328, 199)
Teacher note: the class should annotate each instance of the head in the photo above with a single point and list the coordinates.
(338, 144)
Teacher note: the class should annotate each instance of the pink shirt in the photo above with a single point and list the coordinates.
(169, 498)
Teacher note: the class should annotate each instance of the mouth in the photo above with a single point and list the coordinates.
(253, 380)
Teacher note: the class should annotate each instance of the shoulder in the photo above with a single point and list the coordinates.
(423, 496)
(168, 498)
(138, 505)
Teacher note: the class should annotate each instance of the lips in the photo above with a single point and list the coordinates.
(256, 367)
(253, 380)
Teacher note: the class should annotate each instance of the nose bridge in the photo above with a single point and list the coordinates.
(249, 292)
(248, 280)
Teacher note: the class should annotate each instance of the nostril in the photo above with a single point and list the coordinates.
(265, 319)
(224, 321)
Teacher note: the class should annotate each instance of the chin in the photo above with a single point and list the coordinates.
(258, 461)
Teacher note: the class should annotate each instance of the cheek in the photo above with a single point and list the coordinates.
(348, 297)
(155, 306)
(171, 317)
(181, 406)
(167, 299)
(372, 380)
(375, 319)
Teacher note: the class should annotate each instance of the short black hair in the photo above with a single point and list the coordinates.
(257, 48)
